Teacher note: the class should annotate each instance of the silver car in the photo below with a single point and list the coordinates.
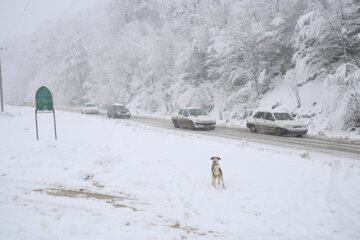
(279, 123)
(89, 108)
(193, 118)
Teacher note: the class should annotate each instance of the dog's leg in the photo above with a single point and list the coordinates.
(213, 180)
(222, 180)
(219, 179)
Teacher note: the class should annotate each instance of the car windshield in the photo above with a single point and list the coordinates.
(283, 116)
(90, 105)
(121, 108)
(197, 112)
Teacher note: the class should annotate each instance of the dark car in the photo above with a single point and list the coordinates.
(118, 110)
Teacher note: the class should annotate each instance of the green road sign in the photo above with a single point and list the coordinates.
(43, 99)
(44, 104)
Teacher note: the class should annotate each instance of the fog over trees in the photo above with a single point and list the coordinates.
(222, 55)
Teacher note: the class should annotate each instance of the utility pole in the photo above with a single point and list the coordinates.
(1, 86)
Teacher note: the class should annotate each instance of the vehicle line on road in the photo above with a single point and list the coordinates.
(338, 148)
(305, 143)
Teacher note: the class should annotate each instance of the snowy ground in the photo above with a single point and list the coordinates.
(112, 179)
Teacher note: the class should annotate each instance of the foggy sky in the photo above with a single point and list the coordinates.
(24, 16)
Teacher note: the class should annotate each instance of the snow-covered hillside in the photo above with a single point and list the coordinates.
(228, 57)
(122, 180)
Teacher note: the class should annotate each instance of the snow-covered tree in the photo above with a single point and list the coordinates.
(326, 35)
(157, 55)
(73, 80)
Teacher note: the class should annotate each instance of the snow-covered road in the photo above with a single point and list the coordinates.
(119, 179)
(339, 147)
(331, 146)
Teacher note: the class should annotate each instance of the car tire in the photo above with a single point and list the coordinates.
(192, 126)
(253, 129)
(278, 132)
(176, 125)
(109, 116)
(299, 135)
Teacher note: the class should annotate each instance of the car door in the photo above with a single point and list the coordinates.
(269, 122)
(259, 121)
(186, 121)
(108, 110)
(111, 111)
(179, 117)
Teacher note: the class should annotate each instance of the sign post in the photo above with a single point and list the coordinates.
(44, 104)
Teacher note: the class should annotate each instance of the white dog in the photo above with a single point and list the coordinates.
(216, 171)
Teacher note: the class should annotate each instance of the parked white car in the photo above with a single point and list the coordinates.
(89, 108)
(193, 118)
(279, 123)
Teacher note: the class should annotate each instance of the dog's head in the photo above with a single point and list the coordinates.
(215, 159)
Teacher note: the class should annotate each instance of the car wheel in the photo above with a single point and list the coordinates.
(253, 129)
(192, 126)
(109, 116)
(176, 125)
(299, 135)
(278, 132)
